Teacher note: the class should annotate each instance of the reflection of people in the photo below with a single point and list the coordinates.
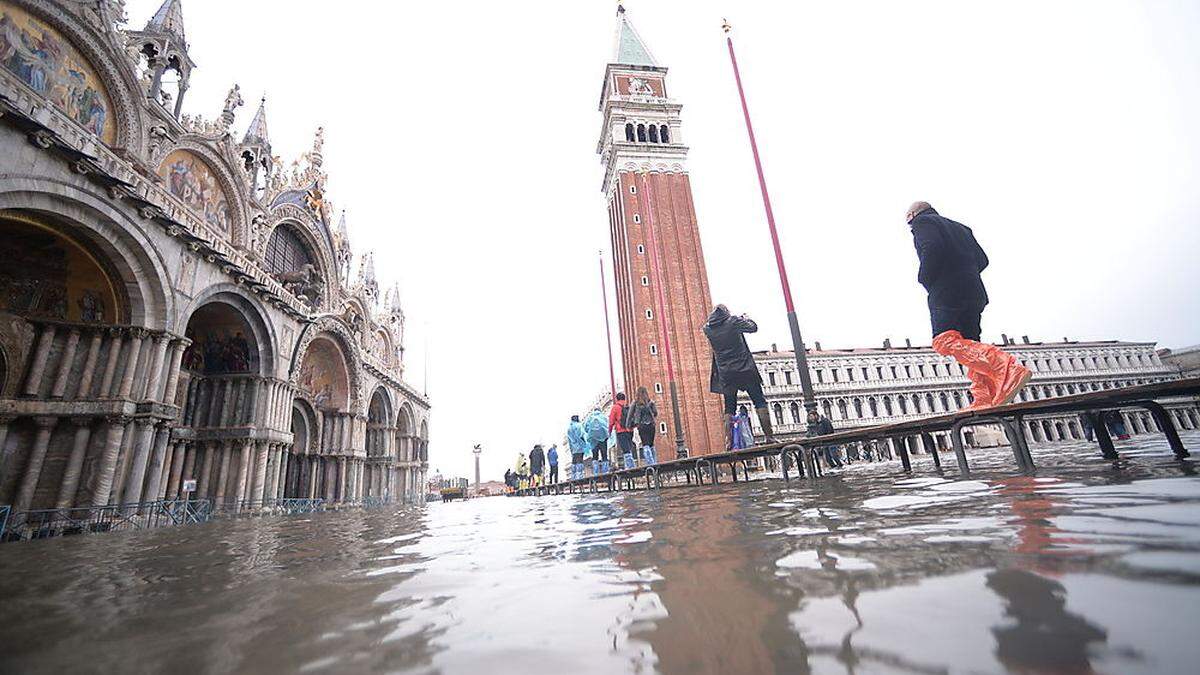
(733, 368)
(950, 264)
(1046, 638)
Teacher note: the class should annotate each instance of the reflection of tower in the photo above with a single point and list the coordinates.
(642, 133)
(478, 451)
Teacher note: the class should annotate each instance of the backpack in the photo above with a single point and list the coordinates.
(626, 416)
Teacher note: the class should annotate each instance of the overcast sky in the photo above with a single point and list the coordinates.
(461, 139)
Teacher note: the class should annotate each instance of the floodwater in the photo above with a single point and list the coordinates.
(1082, 567)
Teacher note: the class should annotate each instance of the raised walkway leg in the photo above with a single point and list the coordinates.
(959, 453)
(1102, 437)
(1168, 427)
(931, 448)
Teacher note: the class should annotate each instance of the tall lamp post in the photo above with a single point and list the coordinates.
(810, 403)
(659, 306)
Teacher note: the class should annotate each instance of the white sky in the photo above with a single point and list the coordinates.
(461, 140)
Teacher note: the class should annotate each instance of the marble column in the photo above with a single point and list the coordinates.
(179, 460)
(70, 480)
(206, 469)
(170, 392)
(83, 389)
(154, 478)
(116, 343)
(114, 436)
(223, 479)
(37, 457)
(5, 420)
(137, 339)
(154, 367)
(245, 466)
(260, 472)
(146, 443)
(41, 353)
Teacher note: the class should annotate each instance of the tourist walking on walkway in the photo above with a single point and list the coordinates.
(733, 369)
(578, 443)
(644, 416)
(510, 481)
(950, 263)
(819, 425)
(596, 426)
(552, 460)
(619, 421)
(742, 435)
(522, 470)
(537, 461)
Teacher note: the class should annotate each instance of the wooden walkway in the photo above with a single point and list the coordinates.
(798, 456)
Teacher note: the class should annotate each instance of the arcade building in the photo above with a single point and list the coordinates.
(177, 308)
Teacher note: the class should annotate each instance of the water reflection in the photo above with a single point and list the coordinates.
(1078, 568)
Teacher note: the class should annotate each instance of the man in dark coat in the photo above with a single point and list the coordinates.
(950, 265)
(537, 458)
(733, 368)
(819, 425)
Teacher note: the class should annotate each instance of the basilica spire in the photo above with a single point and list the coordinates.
(168, 20)
(628, 47)
(256, 133)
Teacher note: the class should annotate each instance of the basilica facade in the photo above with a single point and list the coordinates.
(181, 315)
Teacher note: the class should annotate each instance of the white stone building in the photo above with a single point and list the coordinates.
(871, 386)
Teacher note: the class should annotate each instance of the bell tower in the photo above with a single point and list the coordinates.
(649, 199)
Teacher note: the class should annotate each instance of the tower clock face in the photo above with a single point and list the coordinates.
(640, 85)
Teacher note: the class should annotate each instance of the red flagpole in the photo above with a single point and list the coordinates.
(810, 402)
(612, 377)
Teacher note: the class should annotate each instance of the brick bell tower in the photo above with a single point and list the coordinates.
(646, 184)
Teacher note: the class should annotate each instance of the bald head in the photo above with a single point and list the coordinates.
(916, 208)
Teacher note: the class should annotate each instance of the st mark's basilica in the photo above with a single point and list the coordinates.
(177, 308)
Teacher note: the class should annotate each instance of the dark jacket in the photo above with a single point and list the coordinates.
(732, 362)
(643, 414)
(537, 458)
(823, 427)
(951, 261)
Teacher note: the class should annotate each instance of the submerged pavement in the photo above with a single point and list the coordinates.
(1081, 566)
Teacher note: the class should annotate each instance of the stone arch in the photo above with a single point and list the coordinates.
(263, 341)
(306, 431)
(379, 416)
(324, 375)
(110, 66)
(405, 429)
(90, 218)
(220, 173)
(313, 235)
(424, 442)
(333, 330)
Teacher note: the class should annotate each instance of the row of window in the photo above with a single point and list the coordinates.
(647, 133)
(920, 370)
(904, 404)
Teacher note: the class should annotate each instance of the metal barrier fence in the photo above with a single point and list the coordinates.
(43, 523)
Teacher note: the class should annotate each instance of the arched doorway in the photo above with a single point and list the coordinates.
(405, 454)
(226, 411)
(324, 381)
(380, 437)
(66, 301)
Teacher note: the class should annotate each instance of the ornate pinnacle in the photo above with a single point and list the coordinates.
(725, 26)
